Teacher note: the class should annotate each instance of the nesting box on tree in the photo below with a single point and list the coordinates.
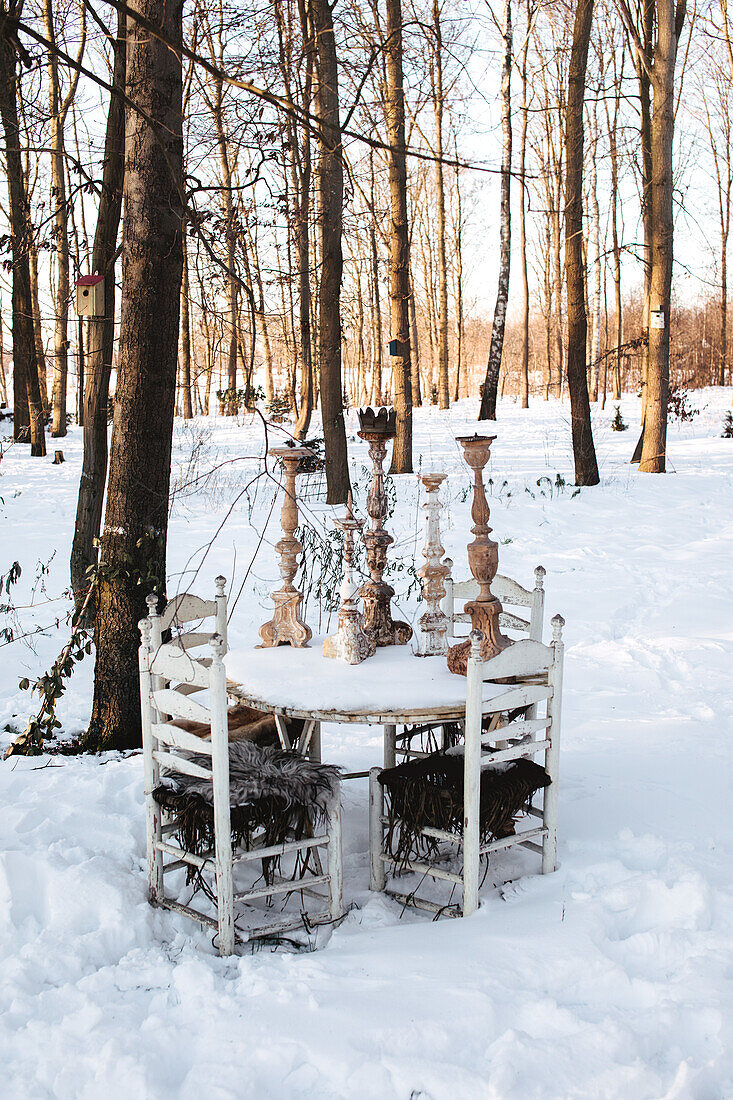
(90, 296)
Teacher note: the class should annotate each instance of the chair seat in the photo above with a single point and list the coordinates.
(428, 794)
(280, 796)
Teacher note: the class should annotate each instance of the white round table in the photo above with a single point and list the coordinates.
(394, 687)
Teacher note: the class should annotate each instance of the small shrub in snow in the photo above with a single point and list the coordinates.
(618, 424)
(727, 432)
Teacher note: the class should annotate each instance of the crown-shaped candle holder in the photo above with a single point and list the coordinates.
(383, 422)
(376, 430)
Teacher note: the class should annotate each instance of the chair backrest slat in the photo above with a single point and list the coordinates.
(186, 608)
(169, 701)
(180, 739)
(522, 658)
(174, 663)
(175, 763)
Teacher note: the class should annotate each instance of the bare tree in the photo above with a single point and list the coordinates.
(586, 466)
(399, 241)
(657, 59)
(28, 408)
(101, 333)
(136, 520)
(491, 382)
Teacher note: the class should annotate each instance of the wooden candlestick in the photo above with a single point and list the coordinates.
(483, 560)
(286, 627)
(376, 593)
(350, 643)
(434, 621)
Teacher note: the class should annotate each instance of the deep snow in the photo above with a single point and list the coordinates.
(610, 979)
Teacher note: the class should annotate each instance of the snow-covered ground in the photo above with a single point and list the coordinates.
(612, 978)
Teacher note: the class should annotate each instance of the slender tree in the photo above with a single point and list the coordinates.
(101, 333)
(28, 408)
(399, 241)
(491, 382)
(586, 466)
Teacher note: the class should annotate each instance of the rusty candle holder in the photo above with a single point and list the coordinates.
(483, 560)
(286, 627)
(377, 429)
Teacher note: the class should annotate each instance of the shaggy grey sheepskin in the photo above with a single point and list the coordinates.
(262, 771)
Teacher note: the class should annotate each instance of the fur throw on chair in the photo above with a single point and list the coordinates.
(282, 794)
(429, 792)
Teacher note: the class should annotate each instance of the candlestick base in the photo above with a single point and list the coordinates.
(350, 643)
(286, 626)
(378, 621)
(484, 617)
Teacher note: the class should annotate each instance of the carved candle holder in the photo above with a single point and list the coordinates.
(483, 560)
(286, 627)
(434, 621)
(350, 643)
(377, 429)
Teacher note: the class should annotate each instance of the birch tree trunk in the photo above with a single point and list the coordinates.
(491, 382)
(586, 466)
(136, 519)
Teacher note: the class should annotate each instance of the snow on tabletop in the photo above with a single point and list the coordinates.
(393, 679)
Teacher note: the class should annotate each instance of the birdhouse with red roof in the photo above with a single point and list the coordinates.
(90, 296)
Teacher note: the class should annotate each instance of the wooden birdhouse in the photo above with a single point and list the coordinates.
(90, 296)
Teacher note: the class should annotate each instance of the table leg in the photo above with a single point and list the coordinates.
(390, 746)
(377, 871)
(314, 748)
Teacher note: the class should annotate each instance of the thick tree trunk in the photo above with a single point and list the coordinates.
(399, 242)
(136, 519)
(491, 382)
(669, 23)
(27, 394)
(330, 195)
(586, 466)
(100, 336)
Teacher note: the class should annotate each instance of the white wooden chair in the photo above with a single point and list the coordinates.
(538, 670)
(511, 594)
(166, 747)
(186, 609)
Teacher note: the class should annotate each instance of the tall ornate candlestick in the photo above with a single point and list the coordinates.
(376, 429)
(350, 643)
(434, 621)
(286, 627)
(483, 560)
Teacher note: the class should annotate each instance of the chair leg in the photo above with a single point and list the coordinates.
(335, 860)
(377, 872)
(390, 746)
(314, 748)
